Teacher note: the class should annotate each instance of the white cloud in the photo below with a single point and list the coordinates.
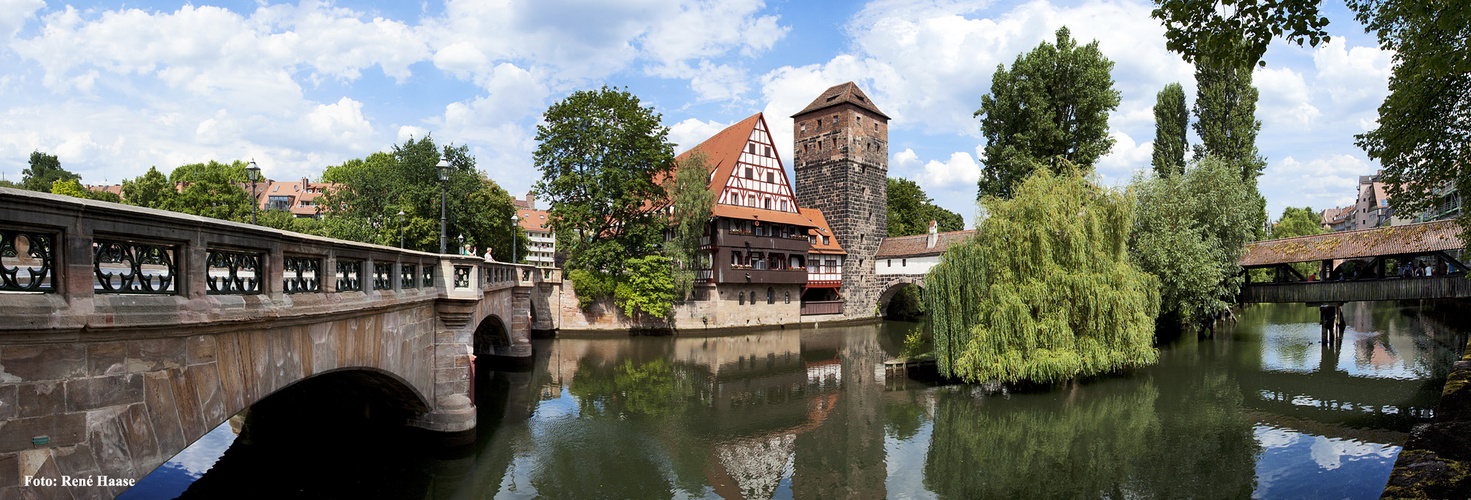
(341, 122)
(13, 15)
(1321, 183)
(960, 170)
(1127, 157)
(1284, 98)
(1353, 77)
(692, 131)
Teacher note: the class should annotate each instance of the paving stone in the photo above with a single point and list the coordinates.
(96, 392)
(44, 362)
(107, 358)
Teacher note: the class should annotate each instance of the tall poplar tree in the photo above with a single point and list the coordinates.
(1050, 108)
(1171, 124)
(1225, 116)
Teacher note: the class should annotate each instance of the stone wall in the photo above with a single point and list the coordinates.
(841, 166)
(724, 309)
(121, 408)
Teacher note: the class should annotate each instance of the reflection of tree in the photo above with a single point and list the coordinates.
(1105, 440)
(652, 388)
(902, 419)
(599, 458)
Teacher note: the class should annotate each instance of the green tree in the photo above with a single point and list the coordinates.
(1225, 117)
(70, 187)
(374, 189)
(693, 203)
(211, 190)
(1051, 106)
(1298, 222)
(1424, 135)
(1048, 293)
(911, 210)
(43, 172)
(151, 190)
(645, 288)
(1238, 30)
(1189, 233)
(601, 155)
(1171, 126)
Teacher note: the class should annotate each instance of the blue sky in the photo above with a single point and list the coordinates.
(113, 88)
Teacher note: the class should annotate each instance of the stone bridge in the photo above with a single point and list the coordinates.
(128, 333)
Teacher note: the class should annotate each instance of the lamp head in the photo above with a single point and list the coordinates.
(444, 167)
(252, 171)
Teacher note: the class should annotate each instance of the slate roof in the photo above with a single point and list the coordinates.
(1395, 240)
(839, 94)
(914, 246)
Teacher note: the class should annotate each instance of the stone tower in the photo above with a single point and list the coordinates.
(841, 162)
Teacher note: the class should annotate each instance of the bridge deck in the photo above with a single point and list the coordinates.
(1437, 287)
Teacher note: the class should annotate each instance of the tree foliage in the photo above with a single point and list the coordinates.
(1051, 106)
(151, 190)
(1046, 291)
(1298, 222)
(693, 204)
(601, 156)
(212, 190)
(645, 288)
(911, 210)
(1225, 117)
(1424, 133)
(43, 172)
(372, 191)
(1171, 128)
(1189, 233)
(1237, 30)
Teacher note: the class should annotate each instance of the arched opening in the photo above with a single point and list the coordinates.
(344, 426)
(491, 338)
(902, 301)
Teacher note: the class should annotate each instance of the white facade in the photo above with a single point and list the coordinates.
(906, 265)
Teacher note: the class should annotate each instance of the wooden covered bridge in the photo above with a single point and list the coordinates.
(1388, 263)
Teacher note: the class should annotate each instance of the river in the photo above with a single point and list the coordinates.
(1262, 409)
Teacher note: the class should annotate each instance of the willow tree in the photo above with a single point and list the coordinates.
(1045, 291)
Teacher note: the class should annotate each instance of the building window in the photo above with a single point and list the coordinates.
(751, 148)
(890, 263)
(768, 203)
(743, 298)
(770, 177)
(788, 297)
(804, 127)
(903, 262)
(770, 295)
(768, 151)
(783, 205)
(748, 173)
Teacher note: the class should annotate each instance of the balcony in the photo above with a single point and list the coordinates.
(813, 307)
(725, 273)
(727, 239)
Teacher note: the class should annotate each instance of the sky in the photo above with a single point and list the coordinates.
(114, 88)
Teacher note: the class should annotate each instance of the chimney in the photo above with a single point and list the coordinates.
(934, 237)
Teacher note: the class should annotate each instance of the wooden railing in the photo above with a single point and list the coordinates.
(1438, 287)
(812, 307)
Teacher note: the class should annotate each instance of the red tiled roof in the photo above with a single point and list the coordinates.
(1395, 240)
(722, 150)
(533, 220)
(840, 94)
(822, 229)
(915, 246)
(761, 214)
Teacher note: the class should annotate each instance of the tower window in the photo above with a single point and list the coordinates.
(804, 127)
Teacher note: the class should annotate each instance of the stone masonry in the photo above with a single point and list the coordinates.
(841, 151)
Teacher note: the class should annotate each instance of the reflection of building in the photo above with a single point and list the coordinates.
(542, 248)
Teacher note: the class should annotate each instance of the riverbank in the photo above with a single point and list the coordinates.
(1436, 461)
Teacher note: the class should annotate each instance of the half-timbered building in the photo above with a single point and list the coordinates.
(758, 243)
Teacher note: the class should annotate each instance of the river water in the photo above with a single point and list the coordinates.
(1262, 409)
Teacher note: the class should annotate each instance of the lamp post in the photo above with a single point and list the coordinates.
(444, 167)
(252, 172)
(461, 248)
(400, 229)
(513, 238)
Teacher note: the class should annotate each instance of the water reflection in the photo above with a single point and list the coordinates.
(1263, 409)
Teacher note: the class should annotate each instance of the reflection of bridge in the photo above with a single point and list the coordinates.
(1360, 265)
(131, 332)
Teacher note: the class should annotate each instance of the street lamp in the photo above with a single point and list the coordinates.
(513, 238)
(252, 172)
(461, 248)
(400, 229)
(444, 167)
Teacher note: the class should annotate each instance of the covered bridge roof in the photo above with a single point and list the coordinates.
(1396, 240)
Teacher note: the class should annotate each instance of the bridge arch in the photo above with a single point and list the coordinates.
(492, 337)
(892, 285)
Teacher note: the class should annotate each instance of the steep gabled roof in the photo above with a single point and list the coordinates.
(722, 150)
(839, 94)
(822, 229)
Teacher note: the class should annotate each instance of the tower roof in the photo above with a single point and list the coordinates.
(839, 94)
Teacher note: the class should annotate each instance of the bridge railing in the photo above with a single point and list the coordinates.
(68, 263)
(1453, 286)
